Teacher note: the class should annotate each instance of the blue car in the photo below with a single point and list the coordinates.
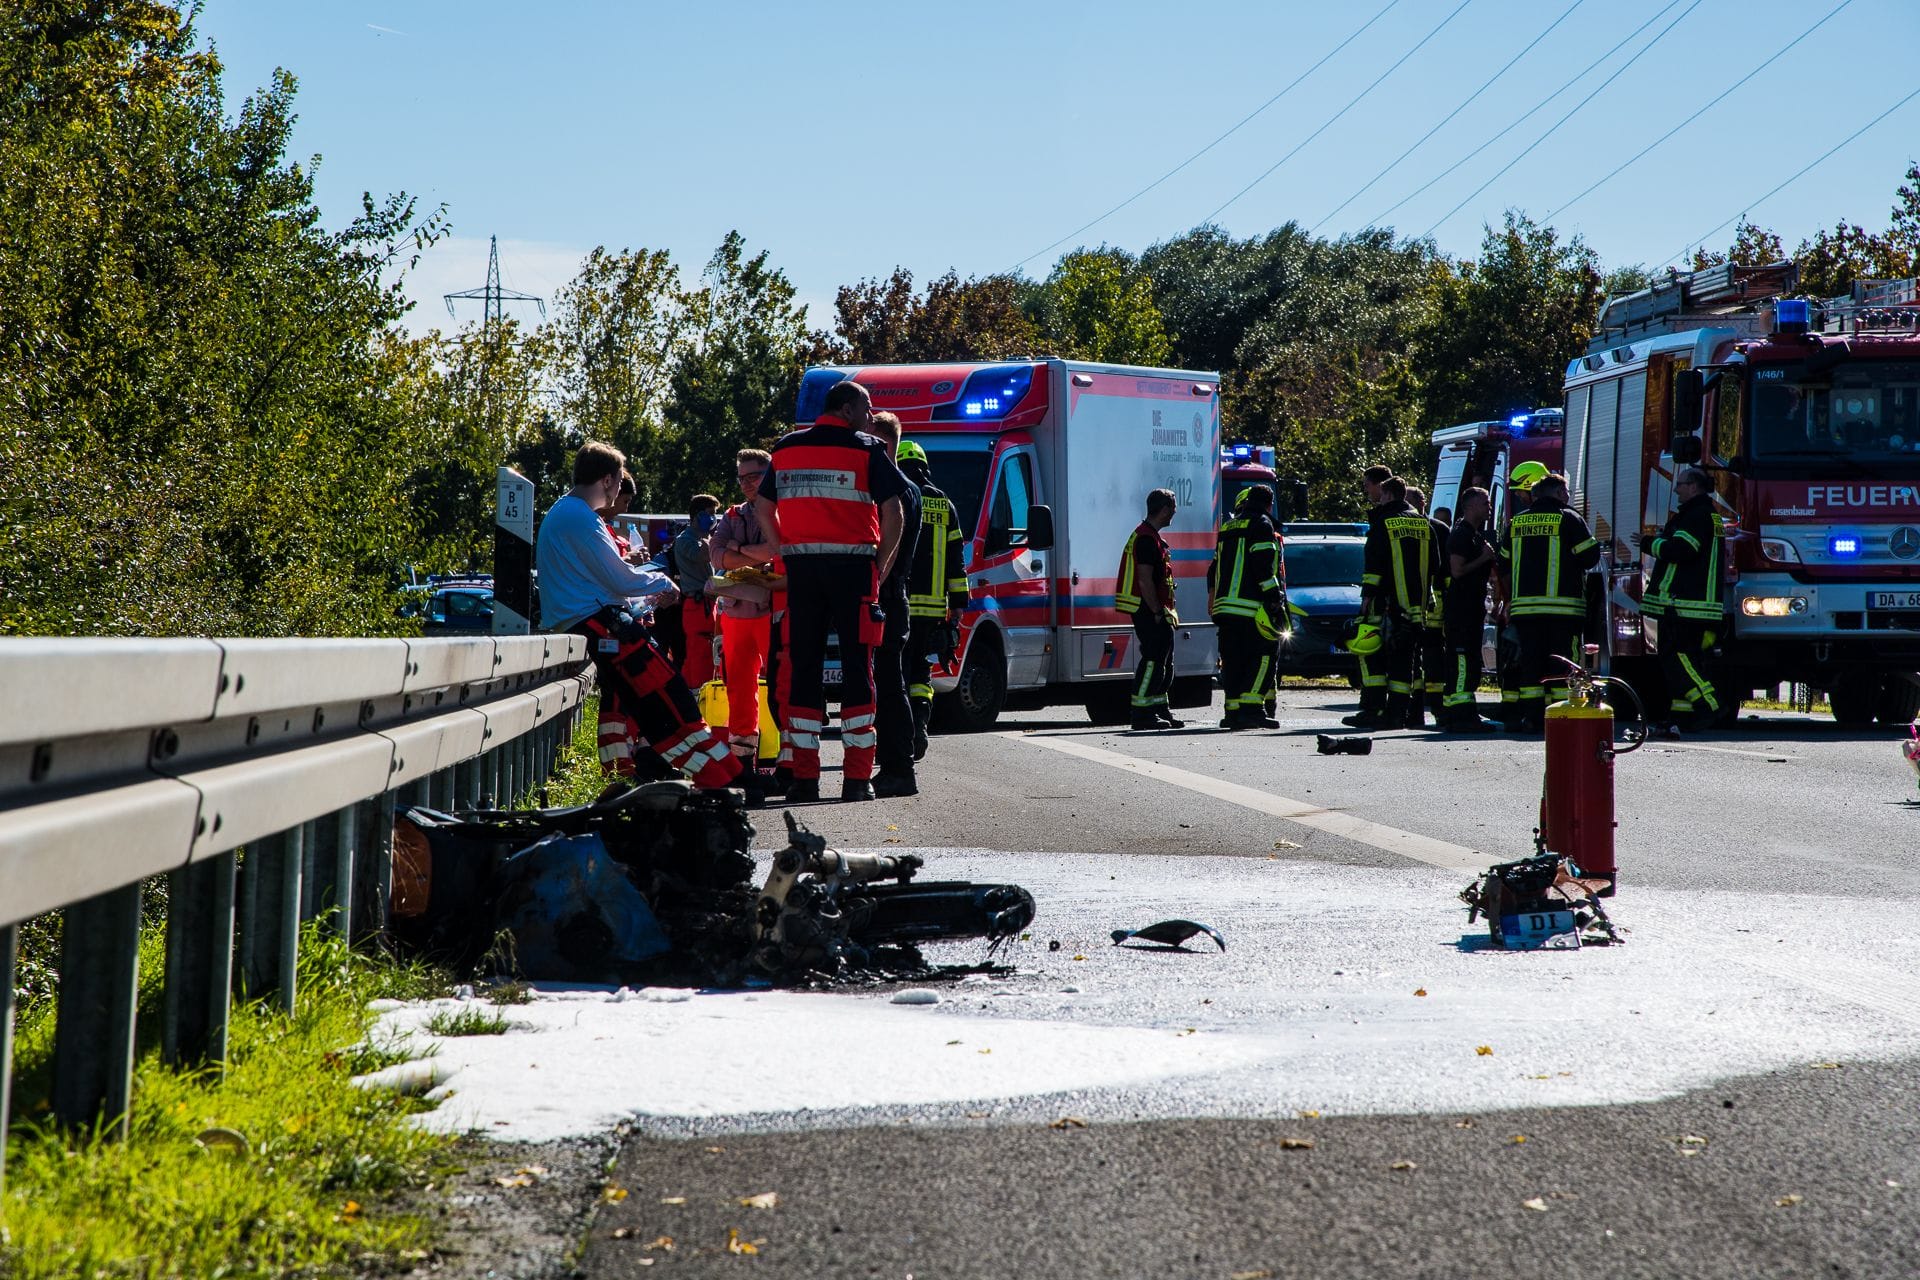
(1323, 586)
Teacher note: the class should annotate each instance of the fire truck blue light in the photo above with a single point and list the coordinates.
(1844, 546)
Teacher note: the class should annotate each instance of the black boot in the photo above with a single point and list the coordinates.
(922, 713)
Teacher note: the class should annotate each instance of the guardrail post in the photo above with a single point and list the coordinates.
(199, 974)
(442, 790)
(466, 784)
(93, 1028)
(309, 843)
(373, 870)
(9, 953)
(270, 953)
(513, 778)
(329, 869)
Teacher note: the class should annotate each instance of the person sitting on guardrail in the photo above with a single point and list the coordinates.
(618, 731)
(588, 589)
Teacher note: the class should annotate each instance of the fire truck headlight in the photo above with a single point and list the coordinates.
(1779, 550)
(1772, 606)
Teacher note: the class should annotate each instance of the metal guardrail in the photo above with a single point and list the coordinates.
(125, 759)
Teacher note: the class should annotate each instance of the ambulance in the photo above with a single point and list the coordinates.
(1048, 463)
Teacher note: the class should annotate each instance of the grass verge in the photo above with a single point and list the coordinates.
(578, 778)
(311, 1193)
(467, 1022)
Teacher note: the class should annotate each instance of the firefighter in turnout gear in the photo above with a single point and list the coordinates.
(1373, 672)
(1429, 692)
(1396, 589)
(1544, 563)
(1520, 484)
(1144, 590)
(1683, 593)
(1247, 601)
(1470, 557)
(936, 590)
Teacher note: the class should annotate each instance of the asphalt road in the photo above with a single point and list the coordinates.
(1731, 1093)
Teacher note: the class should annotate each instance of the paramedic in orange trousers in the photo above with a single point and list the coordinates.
(588, 589)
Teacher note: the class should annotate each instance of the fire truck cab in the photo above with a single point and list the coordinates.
(1048, 463)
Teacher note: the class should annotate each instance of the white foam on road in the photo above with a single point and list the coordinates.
(1315, 1005)
(579, 1062)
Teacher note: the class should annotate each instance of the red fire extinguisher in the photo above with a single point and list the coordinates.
(1576, 803)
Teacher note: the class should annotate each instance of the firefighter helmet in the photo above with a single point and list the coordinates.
(911, 452)
(1264, 623)
(1366, 638)
(1527, 475)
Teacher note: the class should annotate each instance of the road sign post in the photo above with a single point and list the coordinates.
(512, 554)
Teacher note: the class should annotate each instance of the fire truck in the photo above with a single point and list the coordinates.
(1244, 465)
(1483, 454)
(1048, 463)
(1806, 417)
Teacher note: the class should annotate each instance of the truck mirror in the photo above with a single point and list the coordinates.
(1297, 494)
(1039, 528)
(1689, 392)
(1686, 450)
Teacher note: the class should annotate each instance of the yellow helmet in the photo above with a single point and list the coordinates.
(1527, 475)
(1366, 639)
(911, 452)
(1264, 623)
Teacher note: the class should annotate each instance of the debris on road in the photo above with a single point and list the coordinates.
(653, 884)
(1346, 745)
(1538, 903)
(1170, 933)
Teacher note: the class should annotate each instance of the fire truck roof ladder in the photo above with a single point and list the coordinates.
(1691, 300)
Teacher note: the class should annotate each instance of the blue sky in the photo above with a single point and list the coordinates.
(849, 137)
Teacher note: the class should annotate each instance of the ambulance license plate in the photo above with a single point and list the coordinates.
(1893, 600)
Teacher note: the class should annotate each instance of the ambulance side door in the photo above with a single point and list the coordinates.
(1013, 576)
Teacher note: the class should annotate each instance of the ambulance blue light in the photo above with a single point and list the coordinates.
(1517, 420)
(991, 392)
(1843, 545)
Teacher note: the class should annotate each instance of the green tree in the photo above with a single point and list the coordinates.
(619, 328)
(1097, 305)
(735, 384)
(887, 322)
(1753, 246)
(193, 426)
(1506, 324)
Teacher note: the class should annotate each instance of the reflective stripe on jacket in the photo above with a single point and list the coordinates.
(1545, 556)
(1685, 580)
(1155, 560)
(938, 575)
(1245, 573)
(1400, 560)
(823, 494)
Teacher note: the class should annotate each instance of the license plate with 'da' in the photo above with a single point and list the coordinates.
(1893, 600)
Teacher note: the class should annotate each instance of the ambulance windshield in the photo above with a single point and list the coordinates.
(1863, 411)
(961, 474)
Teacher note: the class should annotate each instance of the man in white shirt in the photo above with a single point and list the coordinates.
(587, 588)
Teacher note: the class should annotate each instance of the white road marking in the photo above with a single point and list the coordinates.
(1407, 844)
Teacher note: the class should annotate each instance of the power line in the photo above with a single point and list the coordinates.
(1702, 111)
(1294, 84)
(1563, 119)
(1341, 112)
(1801, 173)
(1525, 116)
(1395, 163)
